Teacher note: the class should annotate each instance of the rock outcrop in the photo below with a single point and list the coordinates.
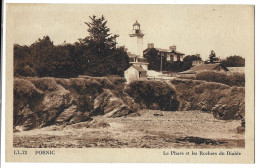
(232, 106)
(224, 101)
(110, 105)
(40, 102)
(154, 95)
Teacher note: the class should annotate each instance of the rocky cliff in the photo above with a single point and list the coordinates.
(39, 102)
(225, 102)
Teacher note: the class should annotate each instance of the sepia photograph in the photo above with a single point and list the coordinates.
(130, 77)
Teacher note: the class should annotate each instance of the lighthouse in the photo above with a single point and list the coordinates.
(137, 40)
(139, 67)
(136, 57)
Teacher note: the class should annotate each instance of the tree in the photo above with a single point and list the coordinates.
(101, 53)
(212, 57)
(63, 63)
(114, 64)
(153, 58)
(53, 61)
(99, 39)
(187, 61)
(176, 66)
(95, 55)
(22, 59)
(34, 59)
(42, 51)
(234, 61)
(81, 57)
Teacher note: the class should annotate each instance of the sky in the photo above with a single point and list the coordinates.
(226, 29)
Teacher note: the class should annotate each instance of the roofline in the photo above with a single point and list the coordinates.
(139, 63)
(143, 70)
(138, 34)
(222, 67)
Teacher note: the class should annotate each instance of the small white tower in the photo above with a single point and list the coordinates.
(137, 47)
(139, 67)
(137, 37)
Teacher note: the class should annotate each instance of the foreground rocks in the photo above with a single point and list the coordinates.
(110, 105)
(41, 102)
(226, 102)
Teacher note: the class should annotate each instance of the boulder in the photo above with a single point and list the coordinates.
(109, 105)
(80, 117)
(67, 114)
(233, 110)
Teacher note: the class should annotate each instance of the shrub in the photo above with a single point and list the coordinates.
(24, 71)
(234, 79)
(224, 101)
(24, 88)
(45, 84)
(212, 76)
(86, 86)
(153, 94)
(210, 86)
(187, 76)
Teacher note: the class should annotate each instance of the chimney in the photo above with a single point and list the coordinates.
(150, 45)
(173, 47)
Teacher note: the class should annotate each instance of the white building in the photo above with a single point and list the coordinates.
(135, 73)
(197, 62)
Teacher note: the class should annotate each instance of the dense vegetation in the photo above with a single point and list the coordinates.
(94, 55)
(153, 95)
(154, 60)
(234, 61)
(234, 79)
(226, 102)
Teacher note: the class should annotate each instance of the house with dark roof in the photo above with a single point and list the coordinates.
(171, 54)
(205, 67)
(135, 72)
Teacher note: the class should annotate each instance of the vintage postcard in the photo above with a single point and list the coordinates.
(129, 83)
